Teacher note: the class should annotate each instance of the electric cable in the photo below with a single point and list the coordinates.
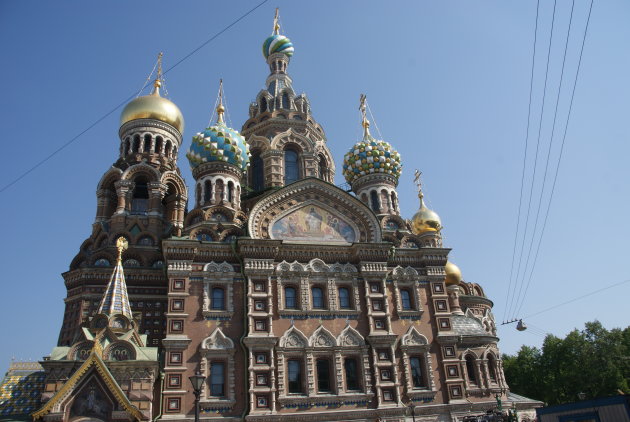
(531, 190)
(107, 114)
(520, 202)
(519, 300)
(564, 136)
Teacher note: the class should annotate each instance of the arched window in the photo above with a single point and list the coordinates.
(289, 298)
(258, 172)
(140, 200)
(263, 105)
(174, 151)
(102, 262)
(405, 298)
(230, 192)
(374, 201)
(218, 298)
(291, 166)
(126, 145)
(219, 188)
(492, 372)
(470, 369)
(323, 376)
(167, 150)
(323, 167)
(198, 194)
(147, 144)
(207, 191)
(285, 101)
(158, 144)
(318, 297)
(294, 372)
(394, 202)
(136, 144)
(344, 298)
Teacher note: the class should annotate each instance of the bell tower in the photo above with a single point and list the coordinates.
(141, 198)
(286, 142)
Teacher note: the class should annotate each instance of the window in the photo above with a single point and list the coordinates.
(491, 368)
(289, 298)
(323, 376)
(405, 298)
(352, 378)
(285, 101)
(258, 172)
(318, 297)
(217, 379)
(416, 372)
(140, 199)
(374, 201)
(218, 298)
(344, 298)
(291, 166)
(470, 369)
(295, 376)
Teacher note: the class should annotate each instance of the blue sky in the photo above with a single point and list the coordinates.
(448, 83)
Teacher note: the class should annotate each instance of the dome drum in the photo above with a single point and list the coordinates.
(373, 179)
(216, 167)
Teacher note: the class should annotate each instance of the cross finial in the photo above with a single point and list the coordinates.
(121, 245)
(158, 79)
(418, 182)
(276, 22)
(220, 108)
(364, 121)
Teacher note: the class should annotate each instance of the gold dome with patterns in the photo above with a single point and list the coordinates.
(425, 220)
(153, 106)
(453, 274)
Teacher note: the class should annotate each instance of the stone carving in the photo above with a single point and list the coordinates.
(350, 337)
(322, 338)
(414, 338)
(293, 338)
(217, 341)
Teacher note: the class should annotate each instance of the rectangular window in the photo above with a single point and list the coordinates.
(217, 379)
(352, 378)
(416, 372)
(294, 370)
(290, 298)
(218, 299)
(344, 298)
(323, 376)
(405, 298)
(317, 294)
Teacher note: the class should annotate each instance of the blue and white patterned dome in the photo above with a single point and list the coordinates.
(371, 156)
(277, 43)
(219, 143)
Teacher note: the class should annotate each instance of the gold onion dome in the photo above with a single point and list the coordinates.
(153, 106)
(453, 274)
(425, 220)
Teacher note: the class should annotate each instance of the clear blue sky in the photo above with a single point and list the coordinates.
(448, 84)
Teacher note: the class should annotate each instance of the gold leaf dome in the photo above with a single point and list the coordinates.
(453, 274)
(153, 106)
(425, 220)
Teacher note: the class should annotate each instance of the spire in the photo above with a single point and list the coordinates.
(158, 79)
(276, 22)
(220, 108)
(364, 121)
(115, 300)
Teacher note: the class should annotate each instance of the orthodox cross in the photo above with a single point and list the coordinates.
(276, 22)
(418, 182)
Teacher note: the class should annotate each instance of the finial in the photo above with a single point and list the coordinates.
(158, 79)
(220, 108)
(418, 182)
(276, 22)
(121, 245)
(364, 121)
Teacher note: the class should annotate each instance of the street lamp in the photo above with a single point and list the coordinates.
(197, 381)
(413, 410)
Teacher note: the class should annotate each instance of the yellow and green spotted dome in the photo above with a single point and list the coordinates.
(371, 156)
(219, 143)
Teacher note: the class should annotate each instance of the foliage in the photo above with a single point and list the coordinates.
(594, 361)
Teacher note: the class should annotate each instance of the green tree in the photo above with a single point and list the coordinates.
(593, 361)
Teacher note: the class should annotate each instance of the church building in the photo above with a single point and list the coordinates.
(292, 298)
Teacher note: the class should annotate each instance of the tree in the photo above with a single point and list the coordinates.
(593, 361)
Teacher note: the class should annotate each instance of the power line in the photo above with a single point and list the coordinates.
(531, 189)
(103, 117)
(519, 300)
(564, 136)
(520, 201)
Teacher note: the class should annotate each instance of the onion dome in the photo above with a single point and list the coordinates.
(277, 43)
(153, 106)
(219, 143)
(453, 274)
(425, 220)
(370, 155)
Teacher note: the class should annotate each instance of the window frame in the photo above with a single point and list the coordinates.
(297, 385)
(211, 383)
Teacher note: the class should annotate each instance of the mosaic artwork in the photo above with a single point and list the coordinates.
(314, 224)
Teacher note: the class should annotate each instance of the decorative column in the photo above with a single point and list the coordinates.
(123, 191)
